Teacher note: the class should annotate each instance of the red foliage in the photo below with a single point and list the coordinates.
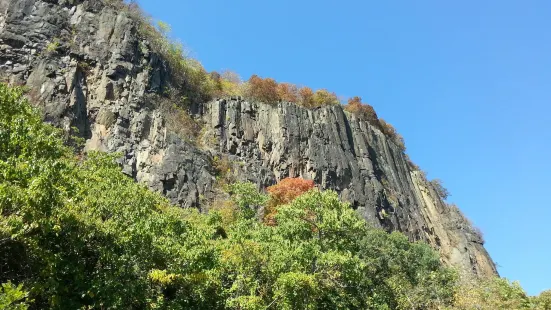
(290, 188)
(284, 192)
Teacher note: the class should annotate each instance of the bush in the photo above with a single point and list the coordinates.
(323, 97)
(412, 166)
(264, 90)
(490, 294)
(184, 71)
(306, 96)
(231, 84)
(288, 92)
(247, 198)
(543, 301)
(438, 186)
(367, 113)
(391, 132)
(223, 168)
(363, 111)
(53, 46)
(177, 117)
(465, 223)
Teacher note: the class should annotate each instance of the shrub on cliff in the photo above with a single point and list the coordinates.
(438, 186)
(366, 112)
(363, 111)
(264, 90)
(186, 73)
(322, 97)
(391, 132)
(200, 85)
(226, 84)
(288, 92)
(306, 97)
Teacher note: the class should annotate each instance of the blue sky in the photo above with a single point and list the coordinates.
(467, 83)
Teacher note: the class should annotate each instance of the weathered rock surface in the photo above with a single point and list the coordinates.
(87, 67)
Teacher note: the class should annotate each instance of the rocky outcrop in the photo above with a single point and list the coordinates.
(88, 68)
(341, 152)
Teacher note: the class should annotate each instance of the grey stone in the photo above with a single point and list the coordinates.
(107, 100)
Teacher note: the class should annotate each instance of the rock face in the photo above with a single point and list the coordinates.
(87, 67)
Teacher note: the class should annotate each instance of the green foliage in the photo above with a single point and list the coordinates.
(52, 46)
(78, 234)
(543, 301)
(81, 233)
(187, 74)
(164, 28)
(246, 197)
(492, 293)
(13, 297)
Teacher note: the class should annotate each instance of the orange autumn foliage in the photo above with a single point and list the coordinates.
(306, 97)
(284, 192)
(288, 92)
(264, 90)
(363, 111)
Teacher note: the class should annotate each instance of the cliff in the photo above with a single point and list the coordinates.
(87, 66)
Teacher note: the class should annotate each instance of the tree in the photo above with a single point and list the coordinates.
(288, 92)
(323, 97)
(438, 186)
(77, 233)
(306, 97)
(284, 192)
(489, 294)
(263, 90)
(13, 297)
(247, 198)
(363, 111)
(543, 301)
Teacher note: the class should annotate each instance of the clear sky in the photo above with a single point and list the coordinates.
(467, 83)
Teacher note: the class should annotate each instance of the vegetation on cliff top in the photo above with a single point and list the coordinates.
(75, 233)
(201, 85)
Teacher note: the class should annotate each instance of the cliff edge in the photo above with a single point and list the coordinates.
(89, 68)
